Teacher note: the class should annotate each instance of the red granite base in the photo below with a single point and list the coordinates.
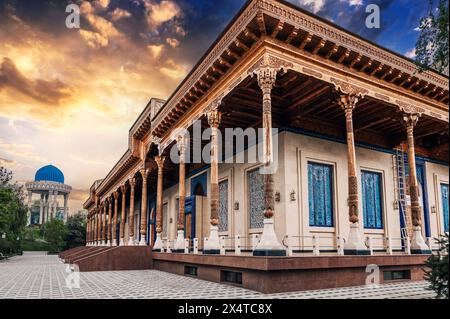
(117, 258)
(283, 274)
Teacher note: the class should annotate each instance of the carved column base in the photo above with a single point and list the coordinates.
(180, 243)
(108, 243)
(354, 244)
(418, 245)
(269, 244)
(122, 242)
(158, 246)
(131, 241)
(143, 241)
(212, 245)
(102, 243)
(114, 243)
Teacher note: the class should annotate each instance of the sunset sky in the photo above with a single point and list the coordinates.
(69, 96)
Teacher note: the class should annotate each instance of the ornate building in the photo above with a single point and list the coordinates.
(49, 185)
(362, 155)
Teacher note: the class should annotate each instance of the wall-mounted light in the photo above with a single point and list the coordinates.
(277, 196)
(170, 220)
(292, 195)
(395, 204)
(236, 205)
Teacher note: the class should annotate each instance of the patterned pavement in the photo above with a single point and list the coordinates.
(36, 275)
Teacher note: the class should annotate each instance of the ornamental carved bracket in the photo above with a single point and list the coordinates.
(410, 109)
(269, 65)
(213, 106)
(350, 89)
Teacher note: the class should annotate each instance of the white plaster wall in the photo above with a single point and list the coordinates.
(292, 216)
(436, 175)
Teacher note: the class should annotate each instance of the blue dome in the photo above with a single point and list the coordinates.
(49, 173)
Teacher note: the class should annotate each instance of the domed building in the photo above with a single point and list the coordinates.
(49, 185)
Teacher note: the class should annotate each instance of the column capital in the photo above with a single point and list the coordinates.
(214, 118)
(160, 162)
(410, 119)
(348, 101)
(123, 189)
(267, 77)
(116, 195)
(144, 173)
(132, 182)
(182, 141)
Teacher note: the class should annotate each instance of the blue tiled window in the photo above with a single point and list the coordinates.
(372, 200)
(320, 195)
(223, 205)
(255, 182)
(444, 192)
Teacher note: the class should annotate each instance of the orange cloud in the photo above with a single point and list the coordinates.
(118, 14)
(173, 42)
(50, 92)
(159, 13)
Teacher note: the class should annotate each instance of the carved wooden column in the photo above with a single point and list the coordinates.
(180, 243)
(144, 172)
(418, 245)
(105, 225)
(269, 244)
(159, 204)
(97, 228)
(123, 190)
(100, 225)
(110, 221)
(212, 246)
(131, 241)
(88, 225)
(354, 244)
(114, 222)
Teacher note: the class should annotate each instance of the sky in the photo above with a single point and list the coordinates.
(69, 96)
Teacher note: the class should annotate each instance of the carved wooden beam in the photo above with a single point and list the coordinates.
(319, 46)
(333, 50)
(241, 45)
(356, 60)
(344, 56)
(232, 54)
(249, 34)
(305, 41)
(277, 29)
(292, 35)
(261, 23)
(366, 65)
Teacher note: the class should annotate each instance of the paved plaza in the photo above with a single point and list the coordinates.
(36, 275)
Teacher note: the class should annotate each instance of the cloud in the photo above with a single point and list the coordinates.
(159, 13)
(52, 92)
(314, 5)
(173, 42)
(102, 3)
(7, 163)
(155, 50)
(411, 53)
(94, 39)
(118, 14)
(353, 2)
(25, 151)
(174, 70)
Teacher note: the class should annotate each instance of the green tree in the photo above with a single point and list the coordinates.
(55, 233)
(432, 45)
(76, 235)
(437, 276)
(13, 212)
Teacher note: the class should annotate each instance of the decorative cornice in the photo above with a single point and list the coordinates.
(348, 88)
(328, 32)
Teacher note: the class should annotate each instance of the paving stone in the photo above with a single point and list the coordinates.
(40, 276)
